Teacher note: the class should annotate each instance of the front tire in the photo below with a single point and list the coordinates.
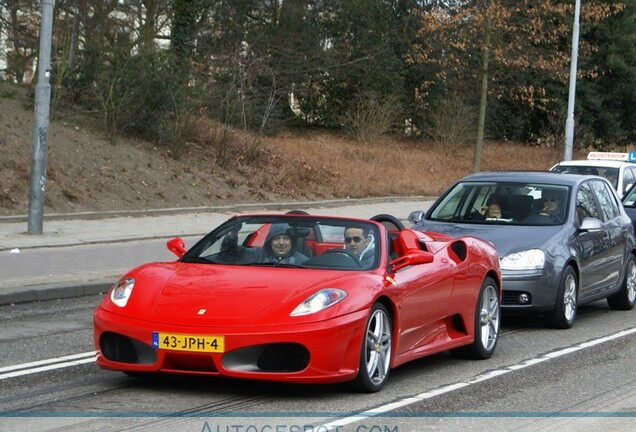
(564, 313)
(487, 322)
(375, 354)
(626, 297)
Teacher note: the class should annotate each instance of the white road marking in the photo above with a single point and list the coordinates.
(89, 357)
(479, 378)
(46, 365)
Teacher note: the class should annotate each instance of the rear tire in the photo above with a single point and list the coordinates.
(487, 322)
(626, 297)
(564, 313)
(375, 354)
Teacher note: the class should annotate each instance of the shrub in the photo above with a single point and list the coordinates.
(370, 116)
(451, 124)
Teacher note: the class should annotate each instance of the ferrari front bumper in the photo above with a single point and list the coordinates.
(320, 352)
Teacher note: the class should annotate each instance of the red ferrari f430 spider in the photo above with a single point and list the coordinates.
(303, 298)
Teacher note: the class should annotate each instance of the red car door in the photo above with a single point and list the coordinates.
(426, 290)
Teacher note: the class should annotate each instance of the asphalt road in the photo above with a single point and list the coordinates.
(538, 380)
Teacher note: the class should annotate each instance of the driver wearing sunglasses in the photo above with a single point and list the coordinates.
(359, 242)
(551, 203)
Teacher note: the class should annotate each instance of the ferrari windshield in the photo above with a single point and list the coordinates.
(503, 203)
(290, 241)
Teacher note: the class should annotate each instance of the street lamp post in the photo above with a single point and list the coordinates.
(569, 123)
(39, 143)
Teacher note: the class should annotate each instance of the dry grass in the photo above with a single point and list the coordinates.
(402, 167)
(87, 172)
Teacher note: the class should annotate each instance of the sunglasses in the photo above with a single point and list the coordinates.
(550, 199)
(356, 239)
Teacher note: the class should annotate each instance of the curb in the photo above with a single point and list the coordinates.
(215, 209)
(38, 293)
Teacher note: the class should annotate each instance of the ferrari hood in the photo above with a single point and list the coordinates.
(236, 294)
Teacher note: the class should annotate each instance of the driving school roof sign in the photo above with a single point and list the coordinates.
(628, 157)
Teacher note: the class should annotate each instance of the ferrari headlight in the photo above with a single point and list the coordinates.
(319, 301)
(532, 259)
(121, 291)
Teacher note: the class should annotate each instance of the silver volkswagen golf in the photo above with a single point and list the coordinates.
(563, 239)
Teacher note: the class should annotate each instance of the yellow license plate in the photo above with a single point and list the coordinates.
(190, 343)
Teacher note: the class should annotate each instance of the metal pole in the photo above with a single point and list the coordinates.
(485, 56)
(39, 143)
(569, 123)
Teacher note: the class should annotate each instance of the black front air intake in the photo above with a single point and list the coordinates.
(283, 357)
(120, 348)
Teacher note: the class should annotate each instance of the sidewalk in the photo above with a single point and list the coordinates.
(84, 254)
